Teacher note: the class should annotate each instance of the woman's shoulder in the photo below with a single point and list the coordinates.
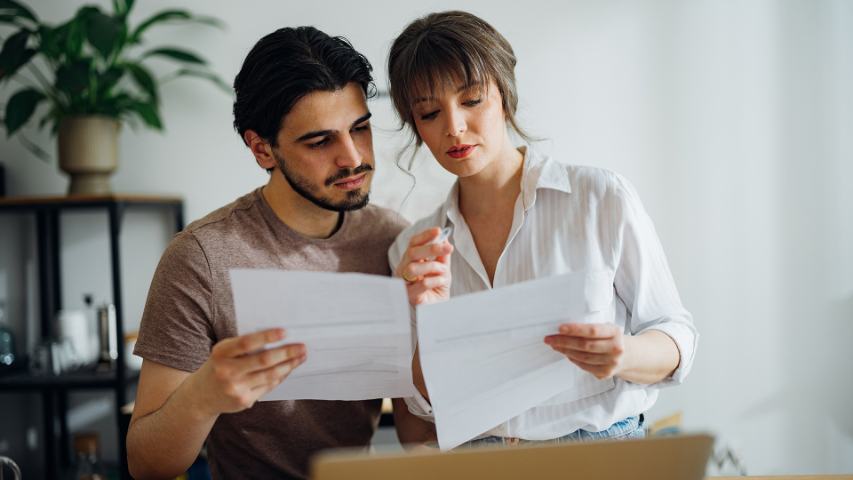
(597, 181)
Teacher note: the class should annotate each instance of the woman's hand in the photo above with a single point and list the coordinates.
(426, 268)
(596, 348)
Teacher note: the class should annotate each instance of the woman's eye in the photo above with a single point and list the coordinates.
(472, 103)
(362, 128)
(430, 115)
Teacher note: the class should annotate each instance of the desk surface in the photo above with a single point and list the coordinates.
(789, 477)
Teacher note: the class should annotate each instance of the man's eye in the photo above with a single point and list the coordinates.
(430, 115)
(473, 103)
(319, 144)
(362, 128)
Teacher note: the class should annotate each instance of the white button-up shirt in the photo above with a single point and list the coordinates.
(574, 219)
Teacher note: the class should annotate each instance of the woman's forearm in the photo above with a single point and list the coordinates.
(650, 357)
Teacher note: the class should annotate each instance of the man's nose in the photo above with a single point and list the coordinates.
(349, 156)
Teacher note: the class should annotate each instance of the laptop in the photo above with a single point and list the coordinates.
(681, 457)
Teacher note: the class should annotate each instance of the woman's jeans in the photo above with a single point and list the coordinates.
(631, 427)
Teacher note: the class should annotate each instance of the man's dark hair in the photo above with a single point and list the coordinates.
(286, 65)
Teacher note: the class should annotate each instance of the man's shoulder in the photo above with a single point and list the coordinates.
(227, 217)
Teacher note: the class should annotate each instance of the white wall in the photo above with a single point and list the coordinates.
(732, 118)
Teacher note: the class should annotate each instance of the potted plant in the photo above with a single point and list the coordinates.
(89, 75)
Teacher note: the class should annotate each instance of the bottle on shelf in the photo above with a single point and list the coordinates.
(88, 466)
(107, 336)
(7, 342)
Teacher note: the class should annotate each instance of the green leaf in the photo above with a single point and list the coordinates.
(74, 38)
(109, 79)
(103, 32)
(149, 114)
(15, 53)
(144, 79)
(12, 20)
(212, 77)
(73, 78)
(52, 40)
(175, 54)
(167, 16)
(20, 108)
(122, 8)
(18, 10)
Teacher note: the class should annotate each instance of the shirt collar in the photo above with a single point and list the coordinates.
(538, 171)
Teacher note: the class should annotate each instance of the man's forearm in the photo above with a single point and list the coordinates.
(650, 357)
(164, 443)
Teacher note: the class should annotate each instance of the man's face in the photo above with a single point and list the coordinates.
(325, 148)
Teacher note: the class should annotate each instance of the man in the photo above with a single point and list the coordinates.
(301, 109)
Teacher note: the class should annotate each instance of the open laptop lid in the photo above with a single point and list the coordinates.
(665, 458)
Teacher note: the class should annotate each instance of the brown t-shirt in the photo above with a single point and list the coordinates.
(190, 308)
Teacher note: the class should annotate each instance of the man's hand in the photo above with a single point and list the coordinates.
(596, 348)
(239, 371)
(426, 268)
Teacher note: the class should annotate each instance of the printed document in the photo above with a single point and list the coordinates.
(484, 358)
(356, 329)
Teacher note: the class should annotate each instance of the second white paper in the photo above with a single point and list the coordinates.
(355, 327)
(484, 358)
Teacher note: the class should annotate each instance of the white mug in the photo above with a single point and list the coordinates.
(75, 328)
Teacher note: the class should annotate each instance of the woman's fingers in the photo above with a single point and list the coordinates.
(425, 269)
(584, 344)
(428, 252)
(424, 237)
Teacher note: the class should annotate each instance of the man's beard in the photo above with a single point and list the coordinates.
(355, 199)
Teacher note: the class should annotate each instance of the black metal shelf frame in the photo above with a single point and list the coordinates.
(54, 390)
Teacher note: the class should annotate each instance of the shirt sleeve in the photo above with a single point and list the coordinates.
(644, 282)
(176, 327)
(418, 405)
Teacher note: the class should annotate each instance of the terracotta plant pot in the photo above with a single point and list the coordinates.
(88, 152)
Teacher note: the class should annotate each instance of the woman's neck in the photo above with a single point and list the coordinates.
(495, 188)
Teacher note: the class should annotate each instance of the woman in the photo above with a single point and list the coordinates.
(518, 215)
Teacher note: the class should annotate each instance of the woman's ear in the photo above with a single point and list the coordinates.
(260, 148)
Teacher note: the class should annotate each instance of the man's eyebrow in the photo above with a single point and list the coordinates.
(324, 133)
(458, 90)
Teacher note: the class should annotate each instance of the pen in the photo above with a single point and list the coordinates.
(444, 235)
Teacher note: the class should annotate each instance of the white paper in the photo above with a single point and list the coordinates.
(355, 327)
(484, 358)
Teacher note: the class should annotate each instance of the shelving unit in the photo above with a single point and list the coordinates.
(54, 389)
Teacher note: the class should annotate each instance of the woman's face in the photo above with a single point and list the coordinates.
(464, 128)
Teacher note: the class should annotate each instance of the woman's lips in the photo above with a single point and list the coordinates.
(351, 183)
(461, 151)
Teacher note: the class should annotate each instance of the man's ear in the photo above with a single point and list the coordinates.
(260, 148)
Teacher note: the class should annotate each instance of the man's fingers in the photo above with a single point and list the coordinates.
(252, 342)
(270, 358)
(589, 330)
(273, 376)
